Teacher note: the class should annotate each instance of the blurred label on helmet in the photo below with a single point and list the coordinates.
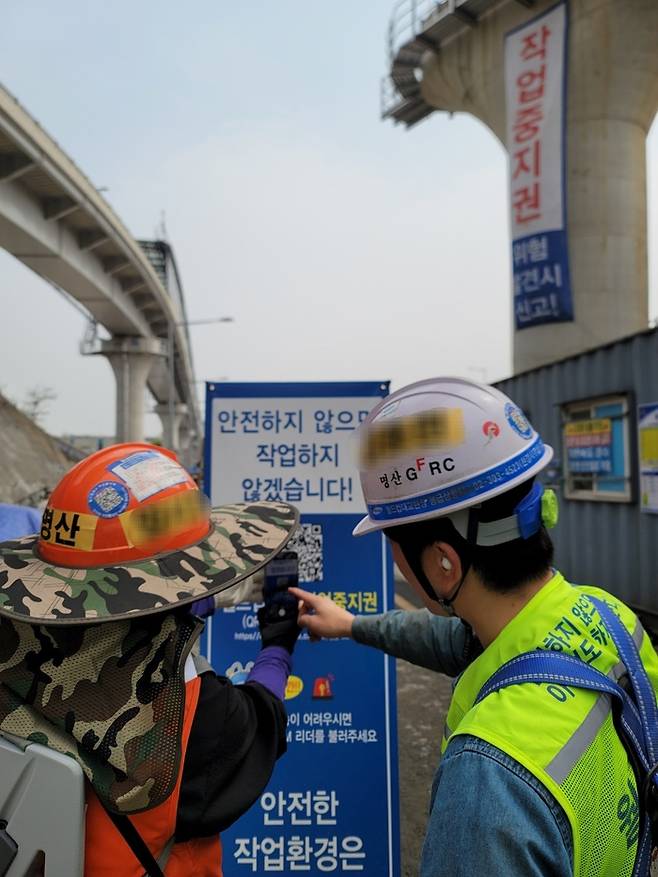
(166, 517)
(148, 472)
(68, 529)
(442, 427)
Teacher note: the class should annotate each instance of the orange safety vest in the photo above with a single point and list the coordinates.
(108, 855)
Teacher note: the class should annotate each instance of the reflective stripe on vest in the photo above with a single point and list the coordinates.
(564, 736)
(583, 737)
(106, 853)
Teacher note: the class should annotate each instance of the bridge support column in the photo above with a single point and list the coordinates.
(172, 418)
(612, 99)
(190, 451)
(131, 360)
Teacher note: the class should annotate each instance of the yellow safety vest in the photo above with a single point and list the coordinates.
(563, 735)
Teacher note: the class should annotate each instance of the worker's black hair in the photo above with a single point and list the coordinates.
(501, 568)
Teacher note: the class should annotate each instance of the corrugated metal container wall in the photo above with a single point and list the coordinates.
(608, 544)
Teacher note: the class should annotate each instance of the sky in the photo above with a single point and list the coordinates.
(344, 248)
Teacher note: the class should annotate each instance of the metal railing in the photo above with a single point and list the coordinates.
(389, 96)
(408, 19)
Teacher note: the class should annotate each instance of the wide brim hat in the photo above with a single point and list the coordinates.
(242, 539)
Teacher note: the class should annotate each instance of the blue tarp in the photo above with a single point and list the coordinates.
(18, 520)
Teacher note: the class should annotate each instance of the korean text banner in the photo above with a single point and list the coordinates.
(332, 803)
(535, 85)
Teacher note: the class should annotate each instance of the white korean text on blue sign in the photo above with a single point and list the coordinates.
(535, 84)
(332, 804)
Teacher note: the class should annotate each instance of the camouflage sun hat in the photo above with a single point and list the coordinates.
(242, 539)
(134, 536)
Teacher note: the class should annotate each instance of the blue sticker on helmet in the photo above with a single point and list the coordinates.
(518, 421)
(107, 499)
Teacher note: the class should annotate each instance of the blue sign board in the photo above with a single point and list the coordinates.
(542, 286)
(332, 803)
(596, 459)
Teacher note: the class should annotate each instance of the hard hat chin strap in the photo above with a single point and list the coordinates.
(537, 508)
(413, 556)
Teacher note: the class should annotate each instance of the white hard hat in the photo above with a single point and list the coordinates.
(441, 445)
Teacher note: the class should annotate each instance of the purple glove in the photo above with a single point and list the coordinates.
(203, 608)
(272, 668)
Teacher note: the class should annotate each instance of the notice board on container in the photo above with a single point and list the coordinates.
(332, 803)
(648, 456)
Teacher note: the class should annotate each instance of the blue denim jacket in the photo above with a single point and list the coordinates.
(488, 814)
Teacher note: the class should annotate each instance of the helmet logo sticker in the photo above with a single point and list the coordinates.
(108, 499)
(518, 421)
(491, 429)
(435, 467)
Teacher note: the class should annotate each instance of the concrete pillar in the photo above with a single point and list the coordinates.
(131, 360)
(172, 417)
(189, 451)
(611, 102)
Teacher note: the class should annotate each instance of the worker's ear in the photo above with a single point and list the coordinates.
(442, 568)
(407, 572)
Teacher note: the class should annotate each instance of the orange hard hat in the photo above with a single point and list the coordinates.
(124, 503)
(128, 531)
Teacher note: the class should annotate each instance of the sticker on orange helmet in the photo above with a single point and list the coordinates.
(149, 472)
(108, 499)
(167, 517)
(68, 529)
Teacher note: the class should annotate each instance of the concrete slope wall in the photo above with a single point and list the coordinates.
(31, 463)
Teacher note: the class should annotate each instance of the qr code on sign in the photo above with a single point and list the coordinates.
(307, 542)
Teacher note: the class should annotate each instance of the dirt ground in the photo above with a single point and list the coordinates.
(423, 699)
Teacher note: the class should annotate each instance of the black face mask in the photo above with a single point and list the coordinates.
(413, 539)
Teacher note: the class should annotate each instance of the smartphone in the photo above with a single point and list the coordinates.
(281, 574)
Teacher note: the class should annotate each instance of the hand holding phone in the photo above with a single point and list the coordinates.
(277, 619)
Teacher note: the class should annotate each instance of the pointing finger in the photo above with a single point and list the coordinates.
(312, 600)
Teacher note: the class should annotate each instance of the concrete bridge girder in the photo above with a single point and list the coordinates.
(52, 250)
(612, 99)
(56, 222)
